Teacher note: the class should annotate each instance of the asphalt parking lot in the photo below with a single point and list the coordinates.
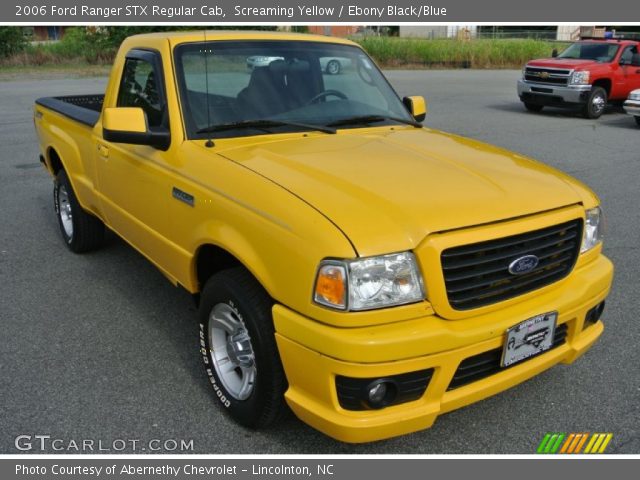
(102, 347)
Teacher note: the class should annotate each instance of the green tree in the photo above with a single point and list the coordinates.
(11, 41)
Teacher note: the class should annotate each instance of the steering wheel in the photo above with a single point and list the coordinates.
(327, 93)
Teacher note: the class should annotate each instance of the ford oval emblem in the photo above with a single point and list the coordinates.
(523, 265)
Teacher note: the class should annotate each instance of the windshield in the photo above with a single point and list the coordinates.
(280, 86)
(600, 52)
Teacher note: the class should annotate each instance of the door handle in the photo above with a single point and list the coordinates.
(103, 150)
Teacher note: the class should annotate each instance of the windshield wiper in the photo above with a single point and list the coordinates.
(264, 125)
(366, 119)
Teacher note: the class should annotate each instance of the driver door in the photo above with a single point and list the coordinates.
(133, 179)
(630, 73)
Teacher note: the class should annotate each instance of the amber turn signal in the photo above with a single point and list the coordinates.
(331, 286)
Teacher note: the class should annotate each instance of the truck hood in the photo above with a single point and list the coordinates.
(388, 189)
(568, 63)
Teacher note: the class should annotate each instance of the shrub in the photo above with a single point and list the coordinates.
(12, 41)
(477, 53)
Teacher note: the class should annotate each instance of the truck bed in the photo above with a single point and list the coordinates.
(82, 108)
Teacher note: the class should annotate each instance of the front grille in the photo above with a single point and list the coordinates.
(478, 274)
(551, 76)
(352, 392)
(487, 363)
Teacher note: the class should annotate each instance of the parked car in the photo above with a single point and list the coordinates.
(330, 65)
(334, 65)
(260, 61)
(588, 75)
(371, 273)
(632, 105)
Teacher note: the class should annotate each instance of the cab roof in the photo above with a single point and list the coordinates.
(614, 41)
(175, 38)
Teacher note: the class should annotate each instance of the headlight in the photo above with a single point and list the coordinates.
(634, 96)
(593, 229)
(368, 283)
(580, 78)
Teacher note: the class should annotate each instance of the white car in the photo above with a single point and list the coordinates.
(334, 65)
(632, 105)
(255, 61)
(329, 65)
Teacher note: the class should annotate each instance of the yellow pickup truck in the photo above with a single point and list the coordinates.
(367, 271)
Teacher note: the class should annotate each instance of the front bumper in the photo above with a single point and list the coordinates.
(552, 95)
(632, 107)
(313, 354)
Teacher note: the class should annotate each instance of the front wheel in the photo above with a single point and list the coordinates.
(533, 107)
(238, 348)
(81, 231)
(637, 120)
(596, 103)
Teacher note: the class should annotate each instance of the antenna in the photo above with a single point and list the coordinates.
(209, 143)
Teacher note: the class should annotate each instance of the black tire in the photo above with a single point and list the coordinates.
(81, 231)
(637, 120)
(533, 107)
(251, 305)
(333, 67)
(596, 103)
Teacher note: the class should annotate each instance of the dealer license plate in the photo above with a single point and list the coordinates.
(529, 338)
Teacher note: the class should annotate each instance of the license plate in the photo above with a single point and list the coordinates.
(529, 338)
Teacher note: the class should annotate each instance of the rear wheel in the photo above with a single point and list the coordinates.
(596, 103)
(333, 67)
(81, 231)
(637, 120)
(533, 107)
(238, 348)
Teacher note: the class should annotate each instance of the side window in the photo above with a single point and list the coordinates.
(139, 88)
(628, 54)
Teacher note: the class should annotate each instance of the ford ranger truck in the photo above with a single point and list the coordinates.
(366, 271)
(587, 75)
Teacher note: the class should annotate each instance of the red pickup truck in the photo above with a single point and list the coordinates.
(588, 74)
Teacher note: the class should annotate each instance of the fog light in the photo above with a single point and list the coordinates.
(381, 393)
(377, 393)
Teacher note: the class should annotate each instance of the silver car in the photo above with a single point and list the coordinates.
(632, 105)
(329, 65)
(334, 65)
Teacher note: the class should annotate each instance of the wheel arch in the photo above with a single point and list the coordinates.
(604, 83)
(211, 258)
(54, 161)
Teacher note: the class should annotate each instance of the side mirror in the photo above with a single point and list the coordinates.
(635, 60)
(554, 53)
(417, 107)
(129, 125)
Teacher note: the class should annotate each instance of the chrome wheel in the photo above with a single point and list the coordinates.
(64, 211)
(231, 351)
(598, 103)
(333, 67)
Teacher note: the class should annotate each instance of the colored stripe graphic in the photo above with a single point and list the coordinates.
(606, 442)
(543, 444)
(598, 443)
(556, 446)
(567, 442)
(573, 443)
(578, 448)
(593, 439)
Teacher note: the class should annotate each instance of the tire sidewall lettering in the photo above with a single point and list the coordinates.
(205, 352)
